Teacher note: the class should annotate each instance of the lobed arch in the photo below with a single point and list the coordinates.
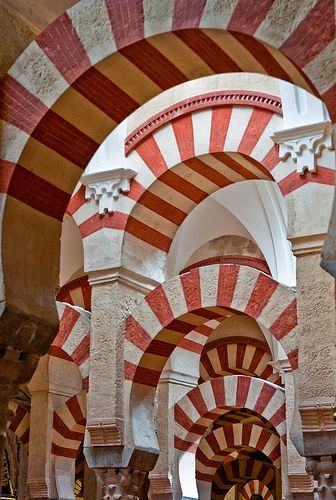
(69, 422)
(214, 445)
(255, 487)
(72, 341)
(47, 145)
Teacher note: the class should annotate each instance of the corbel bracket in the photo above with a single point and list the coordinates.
(304, 144)
(105, 187)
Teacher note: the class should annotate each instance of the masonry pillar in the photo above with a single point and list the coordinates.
(179, 376)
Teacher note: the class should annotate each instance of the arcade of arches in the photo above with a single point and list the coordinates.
(167, 331)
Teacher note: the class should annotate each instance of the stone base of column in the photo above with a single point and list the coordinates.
(301, 486)
(121, 484)
(160, 487)
(38, 488)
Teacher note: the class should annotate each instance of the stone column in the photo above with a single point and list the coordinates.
(108, 442)
(180, 374)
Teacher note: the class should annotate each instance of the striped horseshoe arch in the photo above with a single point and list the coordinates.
(72, 341)
(96, 65)
(77, 293)
(169, 312)
(20, 424)
(237, 355)
(255, 487)
(201, 406)
(69, 426)
(214, 445)
(236, 472)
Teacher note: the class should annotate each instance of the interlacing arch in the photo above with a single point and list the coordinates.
(201, 406)
(255, 487)
(214, 445)
(110, 69)
(72, 341)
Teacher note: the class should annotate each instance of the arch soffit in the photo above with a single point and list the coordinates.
(253, 487)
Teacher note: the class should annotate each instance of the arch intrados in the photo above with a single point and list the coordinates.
(255, 487)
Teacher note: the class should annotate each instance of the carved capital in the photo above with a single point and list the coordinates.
(304, 144)
(105, 187)
(122, 484)
(104, 433)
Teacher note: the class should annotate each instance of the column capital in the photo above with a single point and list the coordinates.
(105, 187)
(304, 144)
(121, 484)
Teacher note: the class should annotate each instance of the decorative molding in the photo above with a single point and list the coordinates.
(308, 244)
(104, 433)
(317, 418)
(304, 144)
(208, 100)
(130, 278)
(38, 488)
(242, 260)
(236, 340)
(105, 187)
(160, 484)
(300, 483)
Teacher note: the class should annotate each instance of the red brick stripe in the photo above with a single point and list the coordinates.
(187, 15)
(248, 15)
(262, 292)
(62, 45)
(127, 21)
(106, 95)
(184, 134)
(293, 181)
(20, 107)
(159, 304)
(313, 34)
(220, 121)
(191, 286)
(227, 281)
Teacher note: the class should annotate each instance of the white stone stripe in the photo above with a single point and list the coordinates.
(277, 304)
(27, 70)
(208, 397)
(166, 141)
(84, 367)
(262, 363)
(273, 30)
(85, 211)
(209, 285)
(98, 43)
(215, 361)
(175, 296)
(246, 281)
(158, 16)
(144, 315)
(322, 69)
(253, 393)
(196, 337)
(144, 175)
(201, 121)
(13, 140)
(133, 354)
(283, 169)
(230, 391)
(248, 356)
(239, 119)
(190, 410)
(219, 16)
